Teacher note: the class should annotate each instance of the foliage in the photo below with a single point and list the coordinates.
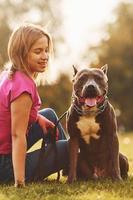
(13, 12)
(117, 51)
(4, 31)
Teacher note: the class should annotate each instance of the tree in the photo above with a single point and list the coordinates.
(4, 36)
(117, 51)
(12, 13)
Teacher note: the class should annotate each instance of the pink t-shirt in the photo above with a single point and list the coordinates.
(10, 89)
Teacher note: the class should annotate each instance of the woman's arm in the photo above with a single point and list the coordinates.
(46, 125)
(20, 111)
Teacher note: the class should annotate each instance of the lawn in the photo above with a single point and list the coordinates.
(101, 190)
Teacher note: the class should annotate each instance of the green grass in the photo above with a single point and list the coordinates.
(100, 190)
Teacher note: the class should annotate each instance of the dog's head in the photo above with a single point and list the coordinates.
(90, 86)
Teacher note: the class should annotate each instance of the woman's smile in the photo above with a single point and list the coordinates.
(43, 63)
(38, 56)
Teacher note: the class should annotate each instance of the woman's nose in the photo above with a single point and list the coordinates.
(45, 55)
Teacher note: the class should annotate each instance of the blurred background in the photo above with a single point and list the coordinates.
(84, 32)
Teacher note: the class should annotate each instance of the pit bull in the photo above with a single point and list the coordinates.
(92, 126)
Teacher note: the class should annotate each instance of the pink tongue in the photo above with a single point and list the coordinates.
(90, 102)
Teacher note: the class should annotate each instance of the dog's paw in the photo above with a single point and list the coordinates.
(116, 178)
(94, 177)
(71, 179)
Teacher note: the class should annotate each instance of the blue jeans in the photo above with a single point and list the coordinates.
(49, 165)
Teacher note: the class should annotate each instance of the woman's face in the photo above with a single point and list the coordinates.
(38, 56)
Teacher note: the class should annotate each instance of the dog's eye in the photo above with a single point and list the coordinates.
(83, 78)
(98, 78)
(80, 80)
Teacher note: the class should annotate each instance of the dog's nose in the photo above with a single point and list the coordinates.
(90, 91)
(91, 87)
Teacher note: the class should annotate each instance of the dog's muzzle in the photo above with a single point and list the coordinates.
(91, 96)
(90, 91)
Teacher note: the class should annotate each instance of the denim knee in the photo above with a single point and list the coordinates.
(49, 113)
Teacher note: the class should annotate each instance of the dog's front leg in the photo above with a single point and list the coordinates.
(115, 165)
(73, 157)
(113, 143)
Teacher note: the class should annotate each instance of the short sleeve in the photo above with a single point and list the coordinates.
(21, 84)
(17, 93)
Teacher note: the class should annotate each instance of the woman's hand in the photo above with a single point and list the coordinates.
(19, 184)
(46, 125)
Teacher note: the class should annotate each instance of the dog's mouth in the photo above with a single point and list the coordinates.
(91, 102)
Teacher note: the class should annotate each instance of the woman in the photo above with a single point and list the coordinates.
(21, 125)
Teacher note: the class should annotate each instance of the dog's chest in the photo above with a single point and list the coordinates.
(88, 128)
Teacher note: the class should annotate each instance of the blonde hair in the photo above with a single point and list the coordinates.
(20, 42)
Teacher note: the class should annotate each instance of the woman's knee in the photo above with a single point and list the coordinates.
(49, 113)
(58, 155)
(62, 149)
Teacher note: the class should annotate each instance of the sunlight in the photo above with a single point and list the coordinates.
(83, 26)
(84, 21)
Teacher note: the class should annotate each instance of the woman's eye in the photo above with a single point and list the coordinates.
(37, 51)
(47, 50)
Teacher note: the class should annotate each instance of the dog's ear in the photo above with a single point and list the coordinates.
(105, 69)
(75, 70)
